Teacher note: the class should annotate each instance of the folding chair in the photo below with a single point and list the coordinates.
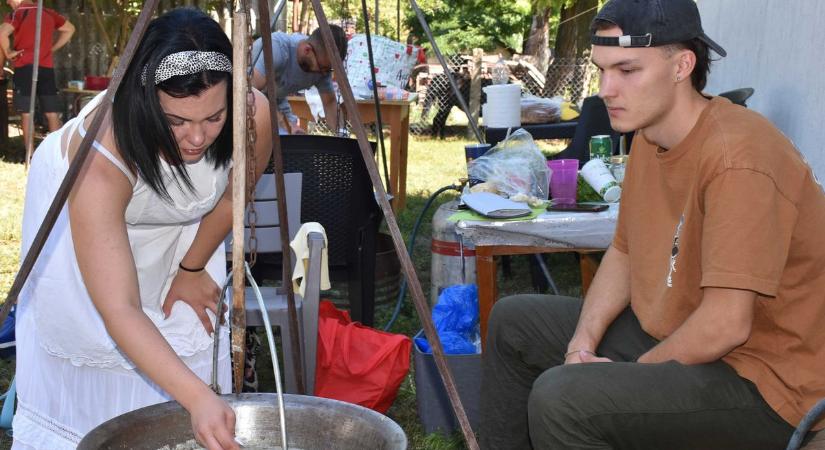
(267, 233)
(307, 311)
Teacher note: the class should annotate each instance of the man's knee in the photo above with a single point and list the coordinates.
(554, 394)
(571, 391)
(559, 404)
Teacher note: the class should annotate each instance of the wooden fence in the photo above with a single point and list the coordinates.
(86, 53)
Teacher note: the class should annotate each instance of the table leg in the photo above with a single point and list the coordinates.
(589, 265)
(76, 105)
(404, 130)
(394, 119)
(487, 290)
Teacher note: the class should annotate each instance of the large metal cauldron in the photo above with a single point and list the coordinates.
(311, 422)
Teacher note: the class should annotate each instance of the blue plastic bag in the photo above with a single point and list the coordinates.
(455, 316)
(7, 341)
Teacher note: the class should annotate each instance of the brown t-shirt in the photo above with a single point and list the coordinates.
(734, 205)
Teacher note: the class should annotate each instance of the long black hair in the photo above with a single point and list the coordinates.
(142, 133)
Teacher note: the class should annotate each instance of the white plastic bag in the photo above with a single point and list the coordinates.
(514, 166)
(540, 110)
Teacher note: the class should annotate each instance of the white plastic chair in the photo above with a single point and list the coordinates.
(268, 225)
(307, 312)
(267, 233)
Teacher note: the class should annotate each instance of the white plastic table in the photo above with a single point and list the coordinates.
(550, 232)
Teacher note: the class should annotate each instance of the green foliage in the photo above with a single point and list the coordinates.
(337, 10)
(461, 25)
(132, 7)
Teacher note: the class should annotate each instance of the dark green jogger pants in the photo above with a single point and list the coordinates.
(531, 400)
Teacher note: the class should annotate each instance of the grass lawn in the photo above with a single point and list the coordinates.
(12, 185)
(432, 164)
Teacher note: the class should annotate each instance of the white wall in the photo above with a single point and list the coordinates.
(776, 47)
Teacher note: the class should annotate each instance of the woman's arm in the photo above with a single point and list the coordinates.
(198, 289)
(96, 209)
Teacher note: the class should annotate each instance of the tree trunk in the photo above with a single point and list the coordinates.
(572, 44)
(223, 15)
(305, 19)
(573, 35)
(536, 45)
(296, 14)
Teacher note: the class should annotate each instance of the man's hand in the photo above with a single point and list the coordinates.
(14, 54)
(198, 290)
(584, 356)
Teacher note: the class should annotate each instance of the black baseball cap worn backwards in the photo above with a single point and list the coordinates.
(652, 23)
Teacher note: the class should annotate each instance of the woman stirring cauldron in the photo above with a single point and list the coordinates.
(100, 330)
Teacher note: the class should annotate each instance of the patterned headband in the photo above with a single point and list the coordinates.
(187, 63)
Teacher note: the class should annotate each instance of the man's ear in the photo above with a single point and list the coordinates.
(685, 64)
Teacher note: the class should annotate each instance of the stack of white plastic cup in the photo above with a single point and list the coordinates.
(503, 107)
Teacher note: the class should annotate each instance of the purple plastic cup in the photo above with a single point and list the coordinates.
(563, 180)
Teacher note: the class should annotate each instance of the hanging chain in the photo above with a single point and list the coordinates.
(251, 139)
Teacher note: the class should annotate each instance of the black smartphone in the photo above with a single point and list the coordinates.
(577, 207)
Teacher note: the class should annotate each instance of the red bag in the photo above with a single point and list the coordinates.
(356, 363)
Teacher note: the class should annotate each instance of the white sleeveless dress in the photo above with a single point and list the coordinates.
(71, 376)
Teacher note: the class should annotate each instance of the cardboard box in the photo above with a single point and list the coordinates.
(434, 407)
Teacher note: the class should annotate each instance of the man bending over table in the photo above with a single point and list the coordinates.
(300, 62)
(703, 326)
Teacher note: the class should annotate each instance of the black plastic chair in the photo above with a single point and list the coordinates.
(738, 96)
(338, 194)
(593, 121)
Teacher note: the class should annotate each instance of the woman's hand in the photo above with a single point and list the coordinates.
(198, 290)
(213, 422)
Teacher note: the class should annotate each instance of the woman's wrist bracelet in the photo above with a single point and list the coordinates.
(186, 269)
(577, 351)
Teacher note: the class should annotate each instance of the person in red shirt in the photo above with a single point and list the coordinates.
(20, 25)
